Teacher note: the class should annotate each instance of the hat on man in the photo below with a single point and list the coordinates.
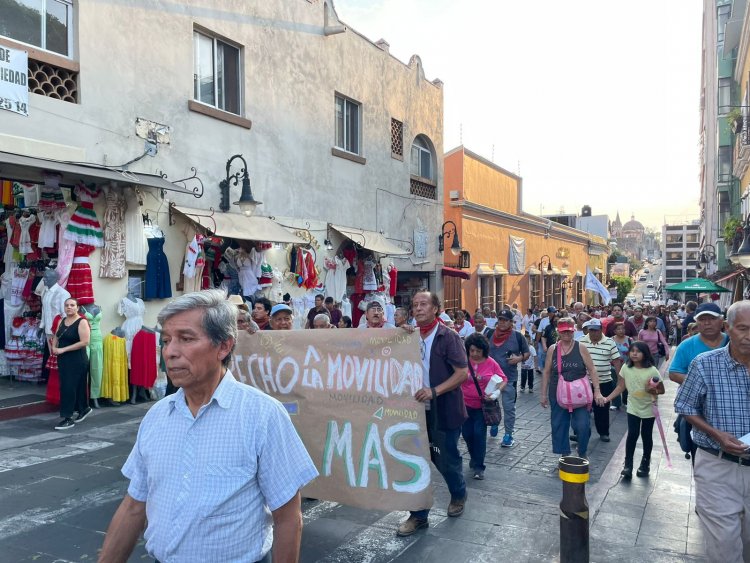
(566, 325)
(505, 314)
(374, 303)
(238, 301)
(708, 309)
(280, 307)
(551, 309)
(595, 324)
(444, 317)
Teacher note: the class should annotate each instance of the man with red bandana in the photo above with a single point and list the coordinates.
(375, 316)
(445, 368)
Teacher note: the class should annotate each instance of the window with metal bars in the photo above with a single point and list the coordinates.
(499, 293)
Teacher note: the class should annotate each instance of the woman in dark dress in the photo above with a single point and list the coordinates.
(69, 345)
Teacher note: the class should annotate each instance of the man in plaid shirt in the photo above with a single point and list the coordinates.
(714, 398)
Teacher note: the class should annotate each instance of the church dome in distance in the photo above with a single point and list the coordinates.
(633, 225)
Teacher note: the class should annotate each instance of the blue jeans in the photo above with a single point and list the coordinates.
(562, 421)
(453, 470)
(474, 432)
(541, 356)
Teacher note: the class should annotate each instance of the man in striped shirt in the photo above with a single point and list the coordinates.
(605, 355)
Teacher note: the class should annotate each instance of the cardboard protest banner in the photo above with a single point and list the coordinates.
(350, 394)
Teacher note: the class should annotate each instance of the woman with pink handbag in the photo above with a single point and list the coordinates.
(565, 377)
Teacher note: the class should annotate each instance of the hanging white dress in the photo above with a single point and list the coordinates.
(48, 229)
(135, 238)
(133, 312)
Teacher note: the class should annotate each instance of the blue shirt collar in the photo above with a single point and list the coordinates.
(222, 394)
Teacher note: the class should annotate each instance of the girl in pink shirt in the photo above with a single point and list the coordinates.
(474, 429)
(652, 337)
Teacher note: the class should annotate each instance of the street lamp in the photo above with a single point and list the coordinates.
(455, 245)
(247, 203)
(742, 256)
(707, 255)
(545, 259)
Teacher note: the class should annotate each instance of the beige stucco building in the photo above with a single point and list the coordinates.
(334, 129)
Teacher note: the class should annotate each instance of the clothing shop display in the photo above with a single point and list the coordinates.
(30, 194)
(8, 258)
(112, 263)
(24, 349)
(133, 310)
(393, 280)
(143, 359)
(84, 227)
(369, 281)
(66, 248)
(24, 241)
(53, 381)
(158, 283)
(135, 239)
(336, 277)
(7, 194)
(10, 310)
(115, 369)
(96, 354)
(79, 281)
(248, 270)
(195, 263)
(51, 197)
(266, 275)
(53, 304)
(17, 285)
(48, 229)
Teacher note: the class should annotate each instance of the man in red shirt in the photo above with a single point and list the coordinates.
(618, 317)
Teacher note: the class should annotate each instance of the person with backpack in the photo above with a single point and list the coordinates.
(508, 348)
(643, 382)
(565, 379)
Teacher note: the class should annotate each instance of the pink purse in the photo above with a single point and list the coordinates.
(574, 394)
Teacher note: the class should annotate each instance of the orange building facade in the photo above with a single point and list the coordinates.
(513, 257)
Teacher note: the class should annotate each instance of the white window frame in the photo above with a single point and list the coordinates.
(215, 62)
(341, 144)
(43, 37)
(420, 151)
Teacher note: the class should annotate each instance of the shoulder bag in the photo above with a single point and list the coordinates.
(574, 394)
(490, 409)
(660, 349)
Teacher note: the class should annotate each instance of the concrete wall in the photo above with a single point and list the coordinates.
(136, 60)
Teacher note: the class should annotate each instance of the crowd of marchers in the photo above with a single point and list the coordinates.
(201, 490)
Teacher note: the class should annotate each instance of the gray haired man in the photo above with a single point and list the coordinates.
(217, 460)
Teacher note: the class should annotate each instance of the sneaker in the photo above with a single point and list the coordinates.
(479, 475)
(522, 389)
(64, 424)
(82, 416)
(613, 408)
(494, 431)
(627, 472)
(604, 438)
(508, 441)
(411, 525)
(531, 390)
(456, 507)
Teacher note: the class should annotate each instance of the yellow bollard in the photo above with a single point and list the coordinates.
(574, 510)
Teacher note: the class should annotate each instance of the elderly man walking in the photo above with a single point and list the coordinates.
(216, 469)
(714, 399)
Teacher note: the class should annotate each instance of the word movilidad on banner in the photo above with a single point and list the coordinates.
(350, 394)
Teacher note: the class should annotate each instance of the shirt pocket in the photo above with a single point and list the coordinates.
(224, 489)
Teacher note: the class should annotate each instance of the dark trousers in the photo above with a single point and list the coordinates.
(601, 414)
(73, 392)
(527, 376)
(644, 427)
(474, 432)
(452, 470)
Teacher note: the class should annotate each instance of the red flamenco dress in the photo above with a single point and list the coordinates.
(53, 383)
(143, 359)
(79, 281)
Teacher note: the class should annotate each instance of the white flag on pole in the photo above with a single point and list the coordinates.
(592, 283)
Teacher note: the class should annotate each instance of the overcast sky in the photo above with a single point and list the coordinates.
(594, 102)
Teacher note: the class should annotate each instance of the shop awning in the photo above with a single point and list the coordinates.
(456, 273)
(238, 226)
(565, 272)
(499, 270)
(556, 270)
(729, 276)
(597, 270)
(483, 269)
(534, 272)
(371, 241)
(32, 170)
(579, 274)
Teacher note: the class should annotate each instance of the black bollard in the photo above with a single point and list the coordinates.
(574, 510)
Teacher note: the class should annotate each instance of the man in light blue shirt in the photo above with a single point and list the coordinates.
(217, 467)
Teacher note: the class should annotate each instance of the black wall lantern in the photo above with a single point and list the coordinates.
(247, 203)
(448, 233)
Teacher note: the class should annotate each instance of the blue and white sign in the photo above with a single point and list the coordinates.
(14, 90)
